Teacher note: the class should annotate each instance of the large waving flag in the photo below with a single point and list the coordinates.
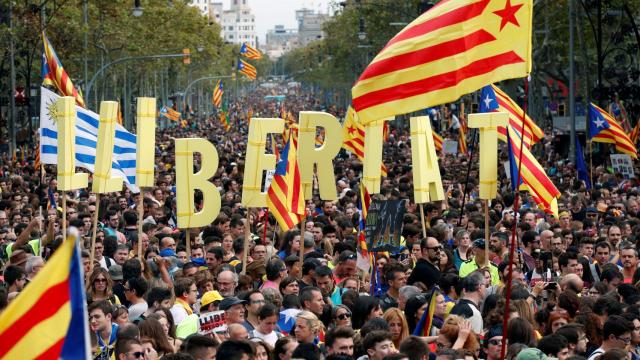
(285, 197)
(247, 51)
(353, 137)
(217, 94)
(247, 69)
(423, 327)
(455, 48)
(532, 175)
(495, 100)
(54, 74)
(48, 320)
(604, 128)
(124, 149)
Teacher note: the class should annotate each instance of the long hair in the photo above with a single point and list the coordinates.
(151, 328)
(393, 314)
(364, 306)
(91, 291)
(312, 320)
(167, 315)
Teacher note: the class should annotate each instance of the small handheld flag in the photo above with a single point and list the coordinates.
(218, 91)
(285, 197)
(423, 327)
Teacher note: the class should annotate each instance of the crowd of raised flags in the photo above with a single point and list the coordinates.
(48, 319)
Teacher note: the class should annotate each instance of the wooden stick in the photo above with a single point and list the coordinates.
(266, 225)
(188, 243)
(247, 235)
(486, 233)
(424, 226)
(302, 232)
(95, 230)
(140, 218)
(41, 230)
(591, 166)
(64, 215)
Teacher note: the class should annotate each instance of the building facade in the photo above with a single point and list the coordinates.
(237, 24)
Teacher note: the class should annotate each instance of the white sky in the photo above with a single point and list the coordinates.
(279, 12)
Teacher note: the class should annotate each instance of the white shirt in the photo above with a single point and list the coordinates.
(178, 313)
(138, 309)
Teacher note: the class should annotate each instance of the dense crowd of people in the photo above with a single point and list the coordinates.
(574, 290)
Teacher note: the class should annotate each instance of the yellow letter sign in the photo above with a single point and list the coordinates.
(426, 173)
(373, 137)
(102, 180)
(488, 124)
(187, 182)
(145, 141)
(256, 161)
(309, 155)
(68, 179)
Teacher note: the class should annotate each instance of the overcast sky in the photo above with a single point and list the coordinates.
(279, 12)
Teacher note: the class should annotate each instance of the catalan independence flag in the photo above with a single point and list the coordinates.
(353, 137)
(532, 175)
(604, 128)
(218, 91)
(169, 113)
(247, 51)
(495, 100)
(224, 120)
(48, 320)
(364, 260)
(455, 48)
(54, 74)
(423, 327)
(285, 197)
(247, 69)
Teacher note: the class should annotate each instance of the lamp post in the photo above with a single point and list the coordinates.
(137, 9)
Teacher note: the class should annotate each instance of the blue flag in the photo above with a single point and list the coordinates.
(581, 166)
(488, 101)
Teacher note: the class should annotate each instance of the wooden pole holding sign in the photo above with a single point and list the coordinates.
(424, 226)
(188, 243)
(486, 232)
(247, 235)
(302, 232)
(95, 231)
(140, 218)
(64, 215)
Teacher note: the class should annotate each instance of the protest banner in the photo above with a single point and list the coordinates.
(213, 321)
(622, 163)
(384, 224)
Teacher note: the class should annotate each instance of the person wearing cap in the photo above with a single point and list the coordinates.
(479, 261)
(210, 301)
(493, 339)
(233, 310)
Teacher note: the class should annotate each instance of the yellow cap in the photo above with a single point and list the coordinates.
(209, 297)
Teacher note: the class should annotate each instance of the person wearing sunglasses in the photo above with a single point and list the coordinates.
(341, 316)
(426, 272)
(129, 349)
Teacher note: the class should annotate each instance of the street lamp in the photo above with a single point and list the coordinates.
(137, 9)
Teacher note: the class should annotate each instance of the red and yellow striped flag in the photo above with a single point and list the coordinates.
(437, 141)
(462, 141)
(247, 69)
(604, 128)
(285, 197)
(453, 49)
(353, 139)
(532, 175)
(217, 94)
(532, 133)
(635, 133)
(57, 75)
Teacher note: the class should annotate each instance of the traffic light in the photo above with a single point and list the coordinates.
(187, 56)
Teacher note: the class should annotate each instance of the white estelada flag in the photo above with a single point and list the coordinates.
(124, 149)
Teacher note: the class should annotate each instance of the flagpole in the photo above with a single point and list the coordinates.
(486, 232)
(302, 232)
(188, 242)
(95, 230)
(466, 183)
(140, 218)
(247, 234)
(424, 226)
(64, 215)
(41, 230)
(266, 224)
(512, 245)
(591, 165)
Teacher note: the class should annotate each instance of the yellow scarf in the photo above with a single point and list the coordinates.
(184, 304)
